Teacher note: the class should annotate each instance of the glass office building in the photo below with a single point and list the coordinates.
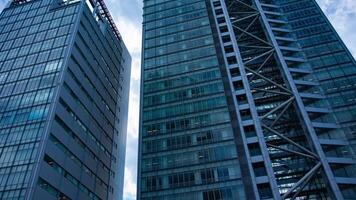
(245, 99)
(64, 82)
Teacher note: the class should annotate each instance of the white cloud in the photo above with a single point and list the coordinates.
(131, 33)
(127, 15)
(2, 4)
(130, 186)
(130, 30)
(342, 15)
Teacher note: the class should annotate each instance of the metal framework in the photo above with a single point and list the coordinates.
(17, 2)
(286, 127)
(101, 10)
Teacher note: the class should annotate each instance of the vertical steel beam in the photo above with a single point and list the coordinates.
(246, 153)
(255, 117)
(330, 179)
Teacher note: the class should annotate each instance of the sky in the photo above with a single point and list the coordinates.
(128, 18)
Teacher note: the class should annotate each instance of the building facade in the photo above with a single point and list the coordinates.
(245, 99)
(64, 82)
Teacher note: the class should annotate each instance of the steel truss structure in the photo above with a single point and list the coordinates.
(103, 12)
(100, 10)
(288, 131)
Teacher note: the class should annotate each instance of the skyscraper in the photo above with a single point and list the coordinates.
(64, 81)
(245, 99)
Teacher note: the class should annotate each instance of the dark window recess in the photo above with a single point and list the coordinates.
(223, 29)
(235, 72)
(242, 99)
(221, 20)
(219, 11)
(238, 85)
(246, 114)
(217, 4)
(254, 149)
(207, 176)
(226, 39)
(215, 195)
(229, 49)
(250, 131)
(265, 191)
(231, 60)
(259, 169)
(205, 137)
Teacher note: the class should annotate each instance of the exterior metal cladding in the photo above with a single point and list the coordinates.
(64, 87)
(245, 99)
